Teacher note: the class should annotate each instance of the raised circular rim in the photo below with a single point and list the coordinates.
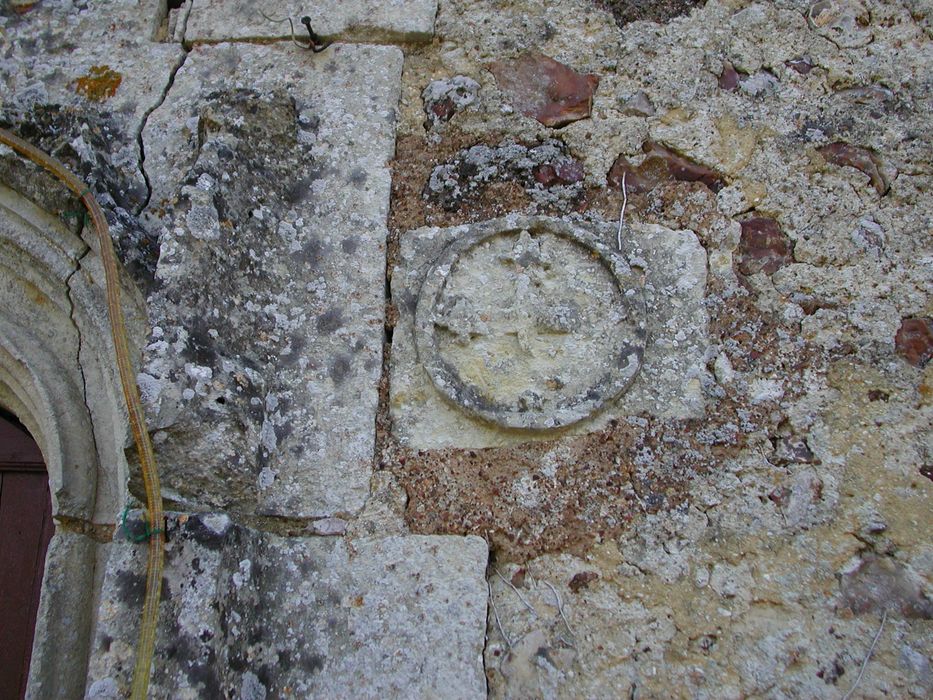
(465, 395)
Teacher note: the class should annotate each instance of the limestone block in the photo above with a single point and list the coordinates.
(249, 614)
(270, 198)
(363, 20)
(63, 621)
(526, 327)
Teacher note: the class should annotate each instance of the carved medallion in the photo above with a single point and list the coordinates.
(530, 328)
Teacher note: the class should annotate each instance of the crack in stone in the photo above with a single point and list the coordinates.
(482, 656)
(84, 393)
(145, 120)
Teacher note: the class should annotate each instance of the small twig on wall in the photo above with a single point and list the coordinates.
(622, 213)
(560, 608)
(871, 650)
(495, 612)
(517, 592)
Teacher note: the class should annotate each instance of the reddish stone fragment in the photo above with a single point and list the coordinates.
(570, 171)
(540, 87)
(763, 247)
(634, 183)
(729, 78)
(638, 105)
(914, 340)
(545, 175)
(801, 65)
(563, 173)
(582, 580)
(870, 95)
(21, 7)
(863, 159)
(444, 109)
(684, 169)
(661, 165)
(794, 450)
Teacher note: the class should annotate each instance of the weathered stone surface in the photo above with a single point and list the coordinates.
(366, 20)
(880, 583)
(83, 58)
(846, 23)
(722, 543)
(248, 614)
(444, 98)
(548, 173)
(544, 89)
(270, 196)
(471, 345)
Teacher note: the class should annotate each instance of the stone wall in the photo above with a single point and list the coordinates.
(518, 349)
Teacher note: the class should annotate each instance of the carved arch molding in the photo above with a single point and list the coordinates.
(58, 377)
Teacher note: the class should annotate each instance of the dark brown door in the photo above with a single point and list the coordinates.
(25, 530)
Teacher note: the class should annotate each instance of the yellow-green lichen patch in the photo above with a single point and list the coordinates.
(99, 84)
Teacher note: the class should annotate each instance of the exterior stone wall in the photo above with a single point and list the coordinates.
(520, 349)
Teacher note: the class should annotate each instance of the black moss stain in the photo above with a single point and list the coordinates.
(199, 663)
(330, 320)
(312, 253)
(131, 588)
(53, 128)
(205, 536)
(299, 191)
(201, 346)
(265, 674)
(660, 11)
(312, 663)
(285, 662)
(358, 177)
(350, 245)
(340, 368)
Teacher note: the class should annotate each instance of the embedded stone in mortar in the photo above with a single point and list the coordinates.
(530, 328)
(545, 89)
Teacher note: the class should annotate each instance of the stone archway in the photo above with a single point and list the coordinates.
(58, 378)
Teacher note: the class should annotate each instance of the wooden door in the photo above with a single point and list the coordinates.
(25, 529)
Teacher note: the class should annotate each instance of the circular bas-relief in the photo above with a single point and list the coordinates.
(530, 324)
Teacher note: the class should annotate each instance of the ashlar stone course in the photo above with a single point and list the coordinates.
(363, 20)
(270, 194)
(247, 614)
